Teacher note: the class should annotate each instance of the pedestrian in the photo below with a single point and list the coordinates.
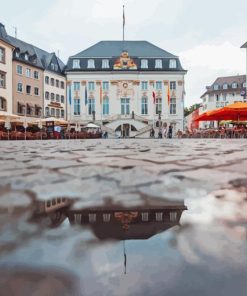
(170, 131)
(160, 134)
(152, 133)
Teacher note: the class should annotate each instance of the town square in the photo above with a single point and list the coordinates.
(123, 139)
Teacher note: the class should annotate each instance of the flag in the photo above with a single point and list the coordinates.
(86, 95)
(70, 95)
(168, 94)
(154, 97)
(100, 94)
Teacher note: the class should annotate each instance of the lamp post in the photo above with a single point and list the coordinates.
(245, 46)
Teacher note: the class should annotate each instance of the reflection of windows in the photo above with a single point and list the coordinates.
(159, 216)
(173, 106)
(106, 217)
(92, 218)
(77, 107)
(145, 217)
(91, 106)
(125, 106)
(144, 106)
(173, 216)
(105, 105)
(158, 105)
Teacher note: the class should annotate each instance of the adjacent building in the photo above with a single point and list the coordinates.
(6, 51)
(224, 91)
(125, 86)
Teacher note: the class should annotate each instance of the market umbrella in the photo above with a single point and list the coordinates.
(5, 115)
(236, 112)
(56, 121)
(91, 125)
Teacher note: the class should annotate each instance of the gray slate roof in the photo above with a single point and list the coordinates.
(134, 48)
(3, 34)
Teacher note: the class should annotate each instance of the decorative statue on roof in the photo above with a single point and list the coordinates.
(125, 62)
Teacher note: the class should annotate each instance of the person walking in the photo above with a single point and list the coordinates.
(170, 132)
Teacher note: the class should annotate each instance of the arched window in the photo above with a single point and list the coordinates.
(144, 106)
(3, 104)
(105, 105)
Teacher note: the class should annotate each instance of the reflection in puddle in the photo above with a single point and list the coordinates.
(113, 221)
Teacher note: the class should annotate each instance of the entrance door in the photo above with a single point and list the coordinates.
(126, 131)
(125, 106)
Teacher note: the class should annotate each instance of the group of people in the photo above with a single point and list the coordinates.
(163, 133)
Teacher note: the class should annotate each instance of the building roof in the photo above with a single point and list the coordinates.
(114, 48)
(244, 45)
(3, 34)
(229, 80)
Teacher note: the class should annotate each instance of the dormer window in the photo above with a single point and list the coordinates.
(52, 66)
(225, 86)
(90, 64)
(144, 64)
(17, 54)
(26, 56)
(158, 64)
(76, 64)
(173, 64)
(234, 85)
(56, 67)
(216, 87)
(105, 64)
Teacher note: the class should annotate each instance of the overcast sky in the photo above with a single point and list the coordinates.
(207, 35)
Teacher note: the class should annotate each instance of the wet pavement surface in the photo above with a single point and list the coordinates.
(123, 217)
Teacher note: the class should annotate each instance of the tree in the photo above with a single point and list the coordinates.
(188, 111)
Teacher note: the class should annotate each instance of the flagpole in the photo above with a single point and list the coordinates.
(123, 23)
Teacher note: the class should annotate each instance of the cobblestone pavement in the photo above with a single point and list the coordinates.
(204, 254)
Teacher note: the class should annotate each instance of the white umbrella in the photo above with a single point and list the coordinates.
(92, 125)
(5, 115)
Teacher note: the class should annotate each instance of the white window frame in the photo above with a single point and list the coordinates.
(91, 85)
(28, 72)
(76, 64)
(234, 85)
(105, 64)
(158, 85)
(144, 85)
(35, 89)
(225, 86)
(173, 106)
(90, 64)
(144, 64)
(158, 64)
(173, 64)
(21, 87)
(2, 55)
(19, 67)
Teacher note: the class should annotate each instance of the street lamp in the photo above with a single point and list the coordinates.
(245, 46)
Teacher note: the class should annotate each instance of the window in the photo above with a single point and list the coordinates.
(234, 85)
(92, 218)
(245, 84)
(28, 72)
(173, 216)
(19, 87)
(106, 217)
(144, 64)
(56, 67)
(125, 106)
(105, 85)
(52, 82)
(52, 112)
(52, 97)
(17, 54)
(2, 79)
(91, 106)
(216, 87)
(57, 98)
(77, 107)
(36, 91)
(76, 85)
(173, 64)
(58, 113)
(2, 55)
(62, 113)
(173, 85)
(145, 217)
(28, 89)
(76, 64)
(26, 57)
(144, 85)
(105, 64)
(159, 216)
(224, 96)
(47, 111)
(62, 84)
(36, 75)
(19, 69)
(105, 105)
(29, 109)
(225, 86)
(62, 99)
(158, 64)
(47, 95)
(57, 83)
(91, 85)
(217, 98)
(173, 106)
(3, 104)
(158, 85)
(52, 66)
(144, 106)
(158, 105)
(90, 64)
(47, 80)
